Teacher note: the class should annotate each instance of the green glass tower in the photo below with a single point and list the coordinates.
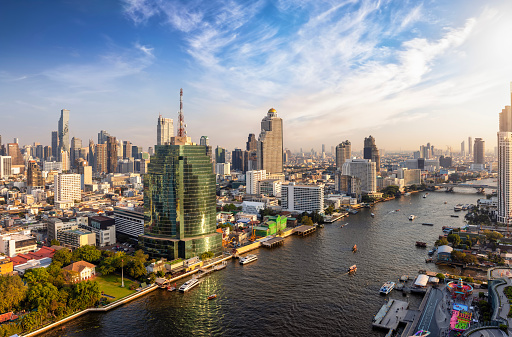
(179, 203)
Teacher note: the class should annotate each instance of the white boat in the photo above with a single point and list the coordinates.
(248, 259)
(387, 287)
(457, 208)
(373, 215)
(412, 217)
(189, 285)
(424, 195)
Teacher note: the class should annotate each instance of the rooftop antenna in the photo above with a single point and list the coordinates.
(181, 130)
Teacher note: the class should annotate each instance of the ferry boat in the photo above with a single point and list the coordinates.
(189, 285)
(354, 249)
(424, 195)
(387, 287)
(212, 296)
(412, 217)
(352, 269)
(248, 259)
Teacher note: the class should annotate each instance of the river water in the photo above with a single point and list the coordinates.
(300, 288)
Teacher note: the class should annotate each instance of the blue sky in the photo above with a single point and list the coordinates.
(406, 72)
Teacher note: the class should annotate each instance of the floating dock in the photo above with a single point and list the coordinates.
(304, 230)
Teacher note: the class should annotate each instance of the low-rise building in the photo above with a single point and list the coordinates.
(84, 270)
(6, 265)
(105, 229)
(129, 221)
(32, 264)
(252, 207)
(76, 237)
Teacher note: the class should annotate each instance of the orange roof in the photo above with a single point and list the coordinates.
(79, 266)
(8, 316)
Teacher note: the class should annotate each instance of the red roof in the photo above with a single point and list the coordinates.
(8, 316)
(38, 255)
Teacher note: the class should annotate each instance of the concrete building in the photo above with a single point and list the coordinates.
(270, 187)
(343, 152)
(32, 264)
(252, 178)
(14, 244)
(302, 198)
(64, 160)
(112, 154)
(479, 151)
(34, 177)
(84, 270)
(470, 141)
(102, 137)
(76, 237)
(410, 176)
(129, 221)
(5, 166)
(100, 158)
(252, 207)
(105, 229)
(164, 131)
(505, 165)
(349, 185)
(270, 143)
(239, 160)
(64, 130)
(222, 169)
(371, 152)
(55, 144)
(67, 188)
(365, 170)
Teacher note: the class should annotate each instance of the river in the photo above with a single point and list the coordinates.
(300, 288)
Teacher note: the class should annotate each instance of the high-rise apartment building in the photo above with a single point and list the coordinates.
(470, 150)
(220, 155)
(505, 166)
(100, 158)
(270, 144)
(239, 160)
(74, 153)
(102, 137)
(164, 131)
(462, 149)
(364, 169)
(55, 144)
(371, 152)
(64, 130)
(127, 149)
(302, 198)
(111, 154)
(47, 153)
(64, 159)
(479, 151)
(252, 143)
(343, 152)
(67, 187)
(179, 203)
(5, 166)
(251, 180)
(34, 177)
(13, 150)
(204, 141)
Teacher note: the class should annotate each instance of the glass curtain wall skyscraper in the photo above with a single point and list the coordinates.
(64, 130)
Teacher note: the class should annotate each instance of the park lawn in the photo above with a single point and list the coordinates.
(111, 285)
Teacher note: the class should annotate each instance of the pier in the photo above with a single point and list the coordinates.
(304, 230)
(274, 242)
(391, 314)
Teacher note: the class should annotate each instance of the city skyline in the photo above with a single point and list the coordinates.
(331, 72)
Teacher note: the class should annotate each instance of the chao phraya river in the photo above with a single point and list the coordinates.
(300, 288)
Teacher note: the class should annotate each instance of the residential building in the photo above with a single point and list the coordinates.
(371, 152)
(14, 244)
(64, 130)
(365, 170)
(349, 185)
(111, 154)
(222, 169)
(410, 176)
(164, 131)
(84, 270)
(55, 144)
(100, 158)
(105, 229)
(252, 178)
(129, 221)
(470, 141)
(302, 198)
(479, 151)
(505, 165)
(270, 143)
(34, 177)
(67, 188)
(343, 152)
(5, 166)
(76, 237)
(220, 155)
(6, 265)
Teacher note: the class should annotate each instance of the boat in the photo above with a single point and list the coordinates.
(352, 211)
(373, 215)
(404, 278)
(189, 285)
(248, 259)
(457, 208)
(427, 224)
(445, 202)
(412, 217)
(424, 195)
(399, 287)
(352, 269)
(454, 216)
(397, 210)
(221, 266)
(429, 260)
(387, 287)
(354, 249)
(169, 288)
(212, 296)
(346, 223)
(421, 244)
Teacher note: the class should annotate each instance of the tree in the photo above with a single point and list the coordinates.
(63, 256)
(329, 210)
(55, 242)
(13, 292)
(455, 239)
(107, 266)
(442, 242)
(161, 273)
(136, 268)
(87, 253)
(492, 236)
(458, 256)
(37, 276)
(306, 220)
(390, 190)
(440, 276)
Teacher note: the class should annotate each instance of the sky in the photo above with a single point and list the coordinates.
(405, 72)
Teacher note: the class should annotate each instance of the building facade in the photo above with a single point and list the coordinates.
(302, 198)
(270, 143)
(5, 166)
(64, 130)
(343, 152)
(129, 221)
(365, 170)
(67, 187)
(371, 152)
(479, 151)
(251, 180)
(164, 131)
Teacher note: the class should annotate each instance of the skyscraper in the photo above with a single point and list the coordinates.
(164, 131)
(220, 155)
(505, 166)
(239, 160)
(479, 151)
(343, 152)
(64, 130)
(91, 155)
(323, 148)
(13, 150)
(365, 170)
(111, 154)
(127, 149)
(462, 149)
(100, 158)
(470, 141)
(371, 152)
(204, 141)
(55, 144)
(34, 176)
(102, 137)
(74, 153)
(270, 144)
(252, 143)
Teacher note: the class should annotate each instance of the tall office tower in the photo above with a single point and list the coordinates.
(270, 143)
(136, 152)
(5, 166)
(13, 150)
(100, 158)
(67, 187)
(505, 166)
(102, 137)
(40, 151)
(220, 155)
(179, 202)
(91, 155)
(47, 152)
(64, 159)
(470, 150)
(239, 160)
(364, 169)
(17, 140)
(343, 152)
(323, 148)
(1, 147)
(111, 154)
(479, 151)
(74, 153)
(64, 130)
(55, 144)
(151, 151)
(34, 177)
(119, 148)
(204, 141)
(462, 149)
(252, 143)
(164, 131)
(127, 149)
(371, 152)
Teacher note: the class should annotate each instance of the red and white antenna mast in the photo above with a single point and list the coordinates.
(181, 130)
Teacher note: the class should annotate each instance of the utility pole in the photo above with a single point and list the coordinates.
(122, 273)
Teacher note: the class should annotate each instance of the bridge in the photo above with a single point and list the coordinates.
(449, 186)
